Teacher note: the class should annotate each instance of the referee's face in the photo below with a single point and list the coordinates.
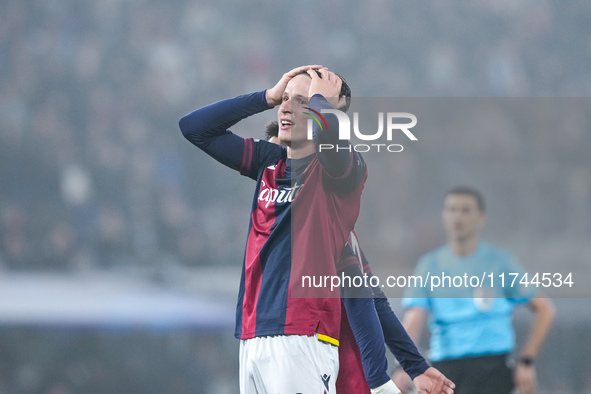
(462, 219)
(292, 120)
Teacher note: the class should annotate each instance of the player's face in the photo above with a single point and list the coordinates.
(462, 220)
(292, 120)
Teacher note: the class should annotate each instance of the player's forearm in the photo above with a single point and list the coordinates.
(203, 125)
(334, 154)
(398, 340)
(544, 315)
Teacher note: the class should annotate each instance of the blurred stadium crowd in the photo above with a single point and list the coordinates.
(68, 361)
(94, 173)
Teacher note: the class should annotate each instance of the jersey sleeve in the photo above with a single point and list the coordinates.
(208, 129)
(348, 258)
(398, 340)
(373, 322)
(259, 154)
(345, 168)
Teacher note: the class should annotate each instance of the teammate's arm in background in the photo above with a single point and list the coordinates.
(397, 338)
(401, 343)
(413, 322)
(373, 322)
(365, 325)
(432, 380)
(525, 372)
(425, 378)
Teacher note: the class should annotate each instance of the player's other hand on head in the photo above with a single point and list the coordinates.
(328, 84)
(275, 94)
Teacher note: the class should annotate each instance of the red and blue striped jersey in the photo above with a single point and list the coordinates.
(300, 220)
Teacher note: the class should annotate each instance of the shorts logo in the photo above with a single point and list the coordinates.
(325, 380)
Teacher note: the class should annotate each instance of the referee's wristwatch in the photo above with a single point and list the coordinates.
(526, 360)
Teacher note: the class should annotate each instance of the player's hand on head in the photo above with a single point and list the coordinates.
(327, 85)
(275, 94)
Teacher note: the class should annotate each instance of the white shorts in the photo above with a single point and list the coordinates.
(288, 364)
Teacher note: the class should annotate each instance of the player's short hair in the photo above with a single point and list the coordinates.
(345, 90)
(272, 130)
(470, 191)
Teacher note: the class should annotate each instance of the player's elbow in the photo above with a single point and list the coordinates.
(184, 126)
(190, 130)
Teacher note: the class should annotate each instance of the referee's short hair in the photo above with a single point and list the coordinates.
(470, 191)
